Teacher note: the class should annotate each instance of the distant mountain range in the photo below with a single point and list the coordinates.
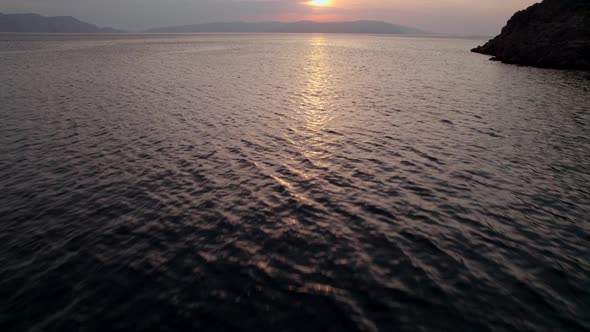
(368, 27)
(43, 24)
(67, 24)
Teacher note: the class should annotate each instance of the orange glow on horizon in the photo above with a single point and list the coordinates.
(320, 3)
(317, 16)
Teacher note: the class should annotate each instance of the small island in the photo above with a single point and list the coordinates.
(550, 34)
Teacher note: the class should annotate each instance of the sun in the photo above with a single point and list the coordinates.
(320, 3)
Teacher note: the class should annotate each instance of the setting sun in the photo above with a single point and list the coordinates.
(320, 3)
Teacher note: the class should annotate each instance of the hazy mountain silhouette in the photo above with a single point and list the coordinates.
(38, 23)
(369, 27)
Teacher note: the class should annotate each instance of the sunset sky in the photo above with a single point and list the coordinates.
(481, 17)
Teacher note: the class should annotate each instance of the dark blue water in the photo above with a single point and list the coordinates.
(289, 183)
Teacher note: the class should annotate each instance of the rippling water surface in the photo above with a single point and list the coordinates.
(289, 183)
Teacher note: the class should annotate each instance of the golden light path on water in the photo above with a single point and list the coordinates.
(316, 91)
(316, 101)
(312, 116)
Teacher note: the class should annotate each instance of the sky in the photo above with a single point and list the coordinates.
(465, 17)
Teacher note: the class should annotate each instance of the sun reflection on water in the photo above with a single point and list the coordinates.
(316, 90)
(315, 106)
(309, 134)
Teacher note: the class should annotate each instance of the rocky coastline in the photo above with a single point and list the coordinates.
(550, 34)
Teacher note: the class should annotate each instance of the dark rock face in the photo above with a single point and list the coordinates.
(551, 34)
(42, 24)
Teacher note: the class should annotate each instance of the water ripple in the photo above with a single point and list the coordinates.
(269, 182)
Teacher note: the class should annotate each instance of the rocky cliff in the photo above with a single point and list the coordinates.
(550, 34)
